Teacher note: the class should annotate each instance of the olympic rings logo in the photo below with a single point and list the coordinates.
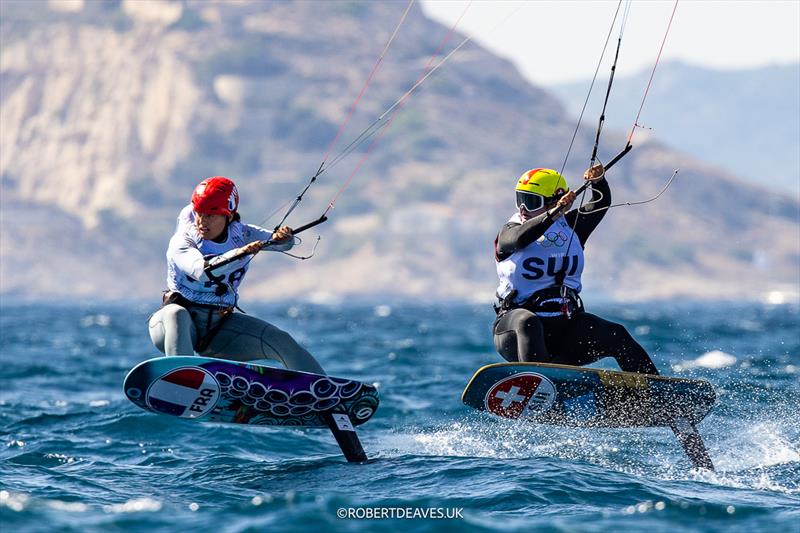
(553, 238)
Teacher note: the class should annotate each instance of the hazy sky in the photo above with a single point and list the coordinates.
(555, 41)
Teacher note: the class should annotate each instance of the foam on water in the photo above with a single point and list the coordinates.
(714, 359)
(78, 456)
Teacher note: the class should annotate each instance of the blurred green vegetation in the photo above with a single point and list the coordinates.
(303, 128)
(190, 20)
(247, 56)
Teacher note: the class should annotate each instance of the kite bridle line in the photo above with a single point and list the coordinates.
(365, 134)
(591, 85)
(581, 190)
(376, 125)
(344, 123)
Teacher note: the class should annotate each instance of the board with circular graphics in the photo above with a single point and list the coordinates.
(575, 396)
(217, 390)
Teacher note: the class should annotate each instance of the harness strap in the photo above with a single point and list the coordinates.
(552, 301)
(174, 297)
(211, 332)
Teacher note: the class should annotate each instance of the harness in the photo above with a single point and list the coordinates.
(174, 297)
(558, 300)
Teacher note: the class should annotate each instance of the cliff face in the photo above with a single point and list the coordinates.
(112, 111)
(90, 113)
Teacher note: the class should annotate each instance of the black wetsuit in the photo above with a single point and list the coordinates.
(521, 335)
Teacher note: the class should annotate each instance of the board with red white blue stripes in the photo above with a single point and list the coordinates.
(216, 390)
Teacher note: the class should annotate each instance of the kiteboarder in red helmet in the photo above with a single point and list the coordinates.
(198, 314)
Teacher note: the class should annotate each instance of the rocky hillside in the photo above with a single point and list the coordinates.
(112, 111)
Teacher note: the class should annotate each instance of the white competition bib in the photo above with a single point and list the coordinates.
(534, 267)
(209, 291)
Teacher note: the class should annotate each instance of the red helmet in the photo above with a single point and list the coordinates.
(215, 196)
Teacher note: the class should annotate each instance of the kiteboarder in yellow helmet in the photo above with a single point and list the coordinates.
(539, 187)
(539, 255)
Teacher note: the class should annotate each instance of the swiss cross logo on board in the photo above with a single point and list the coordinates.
(520, 395)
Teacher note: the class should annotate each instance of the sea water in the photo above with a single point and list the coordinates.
(75, 455)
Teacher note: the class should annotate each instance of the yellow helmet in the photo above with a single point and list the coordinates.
(539, 187)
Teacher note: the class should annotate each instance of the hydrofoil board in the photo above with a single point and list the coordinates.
(217, 390)
(576, 396)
